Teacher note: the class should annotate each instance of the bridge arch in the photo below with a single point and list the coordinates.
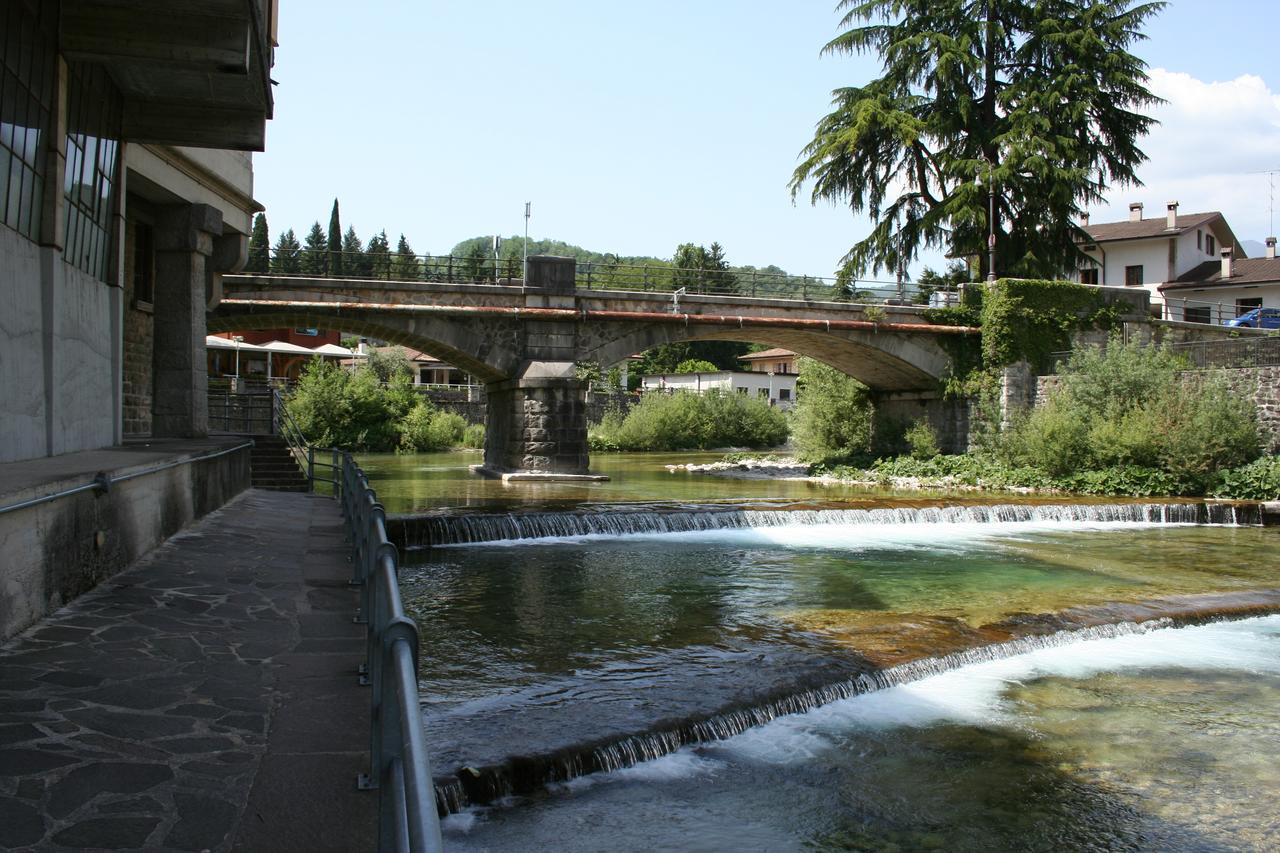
(488, 350)
(888, 361)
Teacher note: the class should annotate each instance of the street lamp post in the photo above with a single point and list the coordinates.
(524, 272)
(991, 217)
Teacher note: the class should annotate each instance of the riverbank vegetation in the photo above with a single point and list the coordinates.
(687, 421)
(1121, 420)
(373, 409)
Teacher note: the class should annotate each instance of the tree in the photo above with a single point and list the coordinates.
(929, 282)
(337, 266)
(404, 265)
(287, 257)
(313, 251)
(702, 270)
(832, 420)
(378, 255)
(354, 261)
(1033, 98)
(259, 246)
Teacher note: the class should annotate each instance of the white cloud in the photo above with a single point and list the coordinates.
(1212, 140)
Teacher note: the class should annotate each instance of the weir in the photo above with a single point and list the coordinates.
(472, 785)
(425, 531)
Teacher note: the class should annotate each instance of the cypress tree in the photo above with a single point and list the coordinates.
(259, 246)
(337, 265)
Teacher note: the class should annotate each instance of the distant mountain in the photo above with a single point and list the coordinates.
(1253, 248)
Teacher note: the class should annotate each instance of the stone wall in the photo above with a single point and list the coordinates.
(1261, 385)
(139, 336)
(58, 550)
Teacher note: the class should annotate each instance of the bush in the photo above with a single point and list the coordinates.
(1257, 481)
(1128, 409)
(832, 419)
(354, 410)
(696, 365)
(473, 436)
(922, 441)
(686, 421)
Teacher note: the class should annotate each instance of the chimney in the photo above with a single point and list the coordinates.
(1271, 247)
(1226, 263)
(1084, 219)
(1171, 215)
(1135, 212)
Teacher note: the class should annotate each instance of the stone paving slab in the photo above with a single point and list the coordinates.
(203, 699)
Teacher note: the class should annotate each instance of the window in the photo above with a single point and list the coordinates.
(94, 109)
(742, 390)
(762, 393)
(1244, 306)
(1198, 314)
(780, 367)
(1210, 245)
(784, 393)
(1133, 276)
(1089, 276)
(1199, 241)
(26, 114)
(310, 333)
(424, 376)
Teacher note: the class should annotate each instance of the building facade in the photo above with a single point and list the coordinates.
(126, 191)
(1148, 253)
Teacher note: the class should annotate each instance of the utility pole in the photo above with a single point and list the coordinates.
(524, 271)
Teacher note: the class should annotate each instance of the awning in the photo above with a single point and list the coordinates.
(215, 342)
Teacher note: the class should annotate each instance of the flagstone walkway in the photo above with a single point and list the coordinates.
(203, 699)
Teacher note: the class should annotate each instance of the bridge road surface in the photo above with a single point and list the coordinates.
(203, 699)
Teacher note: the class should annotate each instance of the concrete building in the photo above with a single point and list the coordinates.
(1151, 252)
(126, 191)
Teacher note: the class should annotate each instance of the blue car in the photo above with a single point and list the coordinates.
(1258, 318)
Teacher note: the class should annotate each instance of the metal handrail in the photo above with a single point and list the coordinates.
(589, 275)
(399, 768)
(104, 481)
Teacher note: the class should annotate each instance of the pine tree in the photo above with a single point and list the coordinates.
(1029, 104)
(378, 255)
(337, 264)
(259, 246)
(287, 257)
(404, 266)
(354, 261)
(313, 251)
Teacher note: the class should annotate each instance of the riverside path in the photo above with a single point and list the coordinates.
(204, 699)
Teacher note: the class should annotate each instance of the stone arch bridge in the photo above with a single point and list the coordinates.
(523, 340)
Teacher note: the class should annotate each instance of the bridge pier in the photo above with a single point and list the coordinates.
(536, 423)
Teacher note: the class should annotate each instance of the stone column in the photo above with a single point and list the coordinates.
(536, 423)
(184, 241)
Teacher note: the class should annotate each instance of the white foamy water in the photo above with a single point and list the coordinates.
(845, 537)
(974, 694)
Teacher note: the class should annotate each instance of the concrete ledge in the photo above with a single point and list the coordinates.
(60, 536)
(1271, 514)
(536, 476)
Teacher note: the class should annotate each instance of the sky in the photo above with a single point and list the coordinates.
(635, 127)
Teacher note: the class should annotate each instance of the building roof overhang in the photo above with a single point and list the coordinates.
(192, 72)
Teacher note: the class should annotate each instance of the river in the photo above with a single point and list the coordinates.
(652, 666)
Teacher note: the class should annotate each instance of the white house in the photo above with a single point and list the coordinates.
(1149, 253)
(771, 377)
(1216, 291)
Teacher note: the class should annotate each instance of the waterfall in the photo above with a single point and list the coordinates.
(527, 773)
(427, 531)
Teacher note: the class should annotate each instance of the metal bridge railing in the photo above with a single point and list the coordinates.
(398, 765)
(591, 275)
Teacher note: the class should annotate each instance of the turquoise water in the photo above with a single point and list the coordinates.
(561, 646)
